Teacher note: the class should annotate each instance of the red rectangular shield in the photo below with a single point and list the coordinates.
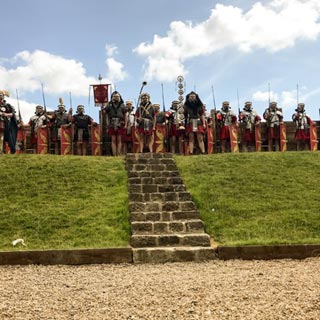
(234, 146)
(43, 140)
(159, 139)
(135, 139)
(96, 140)
(66, 140)
(210, 140)
(257, 133)
(313, 137)
(283, 137)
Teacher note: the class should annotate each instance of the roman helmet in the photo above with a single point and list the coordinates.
(248, 106)
(80, 108)
(225, 105)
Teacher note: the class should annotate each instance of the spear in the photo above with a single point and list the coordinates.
(214, 117)
(163, 103)
(20, 117)
(44, 101)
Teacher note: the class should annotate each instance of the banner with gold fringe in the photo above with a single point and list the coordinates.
(100, 94)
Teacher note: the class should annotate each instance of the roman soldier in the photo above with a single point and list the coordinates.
(146, 120)
(116, 111)
(59, 119)
(303, 123)
(274, 116)
(176, 121)
(127, 139)
(225, 118)
(195, 120)
(8, 124)
(37, 121)
(81, 123)
(249, 118)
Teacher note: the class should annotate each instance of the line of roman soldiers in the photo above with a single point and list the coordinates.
(186, 128)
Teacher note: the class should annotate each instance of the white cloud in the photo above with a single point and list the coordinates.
(26, 109)
(115, 70)
(264, 96)
(285, 99)
(58, 75)
(111, 50)
(274, 26)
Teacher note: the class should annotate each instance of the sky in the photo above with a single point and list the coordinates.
(230, 50)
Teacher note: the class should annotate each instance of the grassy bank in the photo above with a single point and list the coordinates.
(81, 202)
(63, 202)
(256, 198)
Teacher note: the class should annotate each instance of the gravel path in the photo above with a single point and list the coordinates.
(278, 289)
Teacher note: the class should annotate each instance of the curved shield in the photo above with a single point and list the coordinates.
(43, 140)
(283, 137)
(257, 136)
(96, 140)
(234, 146)
(313, 137)
(135, 139)
(66, 140)
(159, 139)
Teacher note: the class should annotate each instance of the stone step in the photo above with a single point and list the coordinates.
(140, 156)
(136, 206)
(141, 167)
(172, 240)
(167, 227)
(156, 174)
(154, 188)
(164, 216)
(155, 180)
(160, 197)
(173, 254)
(150, 161)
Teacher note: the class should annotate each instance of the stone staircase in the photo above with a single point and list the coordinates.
(165, 223)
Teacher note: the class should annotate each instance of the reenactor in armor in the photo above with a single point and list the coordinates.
(177, 129)
(39, 120)
(146, 120)
(8, 124)
(117, 112)
(273, 115)
(81, 123)
(195, 121)
(129, 124)
(249, 118)
(303, 122)
(225, 118)
(60, 118)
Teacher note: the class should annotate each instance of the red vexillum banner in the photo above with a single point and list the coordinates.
(100, 93)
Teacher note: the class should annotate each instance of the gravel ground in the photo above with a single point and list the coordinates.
(278, 289)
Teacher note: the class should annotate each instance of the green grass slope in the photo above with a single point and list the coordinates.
(55, 202)
(256, 198)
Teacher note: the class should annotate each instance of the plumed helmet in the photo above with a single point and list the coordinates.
(4, 93)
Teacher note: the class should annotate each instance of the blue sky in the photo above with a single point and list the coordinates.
(230, 46)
